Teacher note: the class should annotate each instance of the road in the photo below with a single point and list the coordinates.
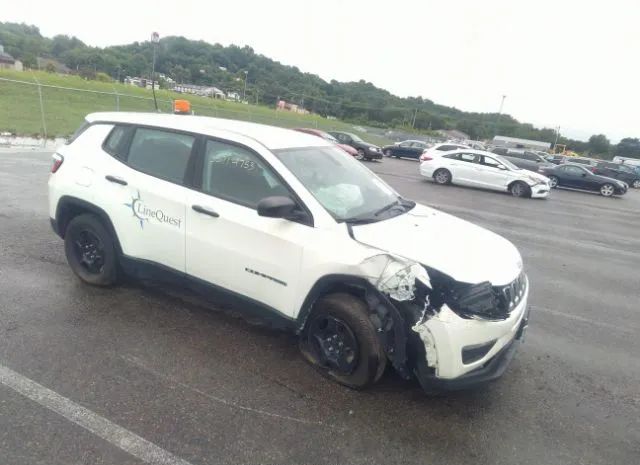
(143, 373)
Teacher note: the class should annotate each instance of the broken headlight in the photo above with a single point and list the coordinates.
(467, 300)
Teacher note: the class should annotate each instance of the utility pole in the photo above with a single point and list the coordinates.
(500, 113)
(244, 92)
(155, 38)
(557, 137)
(413, 122)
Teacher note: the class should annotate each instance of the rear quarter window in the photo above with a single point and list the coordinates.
(116, 142)
(83, 127)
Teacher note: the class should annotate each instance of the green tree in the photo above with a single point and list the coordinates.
(628, 147)
(599, 144)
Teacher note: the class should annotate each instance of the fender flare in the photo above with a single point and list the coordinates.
(69, 207)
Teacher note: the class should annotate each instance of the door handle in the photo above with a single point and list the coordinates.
(205, 211)
(115, 179)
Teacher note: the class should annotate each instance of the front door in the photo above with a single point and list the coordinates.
(228, 243)
(491, 175)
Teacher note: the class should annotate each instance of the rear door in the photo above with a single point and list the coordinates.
(416, 149)
(463, 168)
(144, 183)
(228, 244)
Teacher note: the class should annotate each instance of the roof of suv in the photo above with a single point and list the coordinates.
(270, 136)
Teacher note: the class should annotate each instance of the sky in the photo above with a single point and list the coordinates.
(573, 64)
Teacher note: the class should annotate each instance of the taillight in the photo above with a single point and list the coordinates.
(57, 162)
(425, 157)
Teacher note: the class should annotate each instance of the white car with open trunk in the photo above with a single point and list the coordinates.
(286, 225)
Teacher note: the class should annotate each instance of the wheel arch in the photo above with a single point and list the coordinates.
(388, 320)
(70, 207)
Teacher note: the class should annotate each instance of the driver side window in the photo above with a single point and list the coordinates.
(490, 162)
(238, 175)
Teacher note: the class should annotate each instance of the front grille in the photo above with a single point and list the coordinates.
(508, 297)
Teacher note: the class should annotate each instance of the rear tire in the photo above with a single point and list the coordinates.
(520, 189)
(442, 176)
(607, 190)
(553, 182)
(91, 251)
(341, 342)
(636, 184)
(387, 153)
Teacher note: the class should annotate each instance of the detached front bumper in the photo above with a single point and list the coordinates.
(460, 353)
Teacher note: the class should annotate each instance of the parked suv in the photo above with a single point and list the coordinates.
(618, 171)
(526, 159)
(284, 225)
(365, 150)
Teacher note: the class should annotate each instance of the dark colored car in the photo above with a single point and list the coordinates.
(617, 171)
(526, 159)
(408, 149)
(365, 149)
(579, 177)
(557, 159)
(326, 136)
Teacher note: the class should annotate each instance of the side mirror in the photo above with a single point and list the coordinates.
(276, 207)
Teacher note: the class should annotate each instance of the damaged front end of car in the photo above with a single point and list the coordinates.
(448, 334)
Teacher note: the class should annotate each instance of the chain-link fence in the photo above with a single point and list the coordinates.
(45, 110)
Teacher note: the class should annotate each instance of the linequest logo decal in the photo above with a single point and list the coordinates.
(145, 213)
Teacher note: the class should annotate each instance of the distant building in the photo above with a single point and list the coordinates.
(8, 62)
(140, 82)
(292, 107)
(515, 143)
(203, 91)
(453, 134)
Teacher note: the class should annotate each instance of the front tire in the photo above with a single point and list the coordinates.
(341, 342)
(442, 176)
(360, 155)
(91, 251)
(607, 190)
(520, 189)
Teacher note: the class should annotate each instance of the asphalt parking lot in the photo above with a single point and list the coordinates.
(197, 385)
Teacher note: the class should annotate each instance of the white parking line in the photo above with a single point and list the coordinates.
(101, 427)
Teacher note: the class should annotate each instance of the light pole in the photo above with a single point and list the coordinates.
(500, 112)
(244, 92)
(155, 38)
(557, 137)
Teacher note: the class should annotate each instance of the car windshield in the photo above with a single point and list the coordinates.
(346, 189)
(505, 162)
(329, 137)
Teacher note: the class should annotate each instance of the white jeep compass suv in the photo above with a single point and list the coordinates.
(288, 225)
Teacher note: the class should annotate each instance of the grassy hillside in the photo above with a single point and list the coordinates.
(65, 107)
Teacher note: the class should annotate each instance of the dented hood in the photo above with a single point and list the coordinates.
(464, 251)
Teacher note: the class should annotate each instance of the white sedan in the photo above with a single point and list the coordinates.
(487, 170)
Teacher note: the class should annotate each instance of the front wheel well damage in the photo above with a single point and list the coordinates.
(390, 324)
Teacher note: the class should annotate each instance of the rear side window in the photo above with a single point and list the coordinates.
(446, 148)
(163, 154)
(116, 142)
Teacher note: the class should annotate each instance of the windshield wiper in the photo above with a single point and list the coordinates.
(395, 203)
